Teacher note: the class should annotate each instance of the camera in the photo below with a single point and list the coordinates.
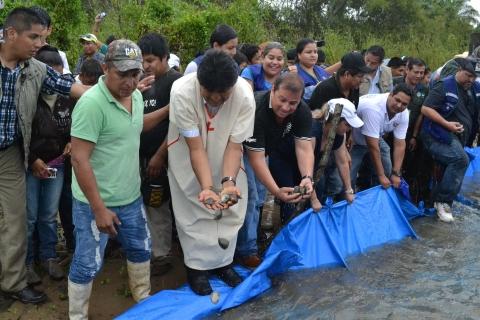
(52, 173)
(320, 43)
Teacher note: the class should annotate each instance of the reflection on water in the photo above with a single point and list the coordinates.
(435, 277)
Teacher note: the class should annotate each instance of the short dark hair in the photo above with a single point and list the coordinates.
(240, 58)
(110, 39)
(415, 62)
(402, 87)
(91, 68)
(303, 43)
(154, 43)
(353, 72)
(217, 72)
(222, 34)
(396, 62)
(47, 21)
(21, 19)
(49, 55)
(289, 81)
(249, 50)
(292, 54)
(377, 51)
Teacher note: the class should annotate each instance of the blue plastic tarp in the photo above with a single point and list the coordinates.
(474, 166)
(311, 240)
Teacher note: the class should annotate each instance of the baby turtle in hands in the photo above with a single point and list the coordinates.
(301, 190)
(209, 201)
(229, 199)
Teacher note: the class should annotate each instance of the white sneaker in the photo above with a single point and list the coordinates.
(444, 212)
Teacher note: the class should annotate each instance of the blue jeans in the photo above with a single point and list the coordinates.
(358, 154)
(247, 235)
(43, 196)
(455, 160)
(133, 234)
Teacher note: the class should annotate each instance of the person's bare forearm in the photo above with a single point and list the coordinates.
(232, 159)
(343, 167)
(433, 115)
(374, 150)
(150, 120)
(305, 158)
(399, 147)
(417, 126)
(199, 161)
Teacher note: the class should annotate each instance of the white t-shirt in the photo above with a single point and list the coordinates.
(372, 109)
(191, 67)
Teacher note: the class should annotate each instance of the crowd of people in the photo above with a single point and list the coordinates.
(130, 148)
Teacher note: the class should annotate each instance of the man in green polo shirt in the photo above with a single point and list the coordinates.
(106, 127)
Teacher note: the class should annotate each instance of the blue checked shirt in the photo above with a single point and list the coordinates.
(53, 83)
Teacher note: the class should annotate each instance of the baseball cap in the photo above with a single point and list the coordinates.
(355, 61)
(348, 112)
(173, 61)
(466, 65)
(125, 55)
(89, 37)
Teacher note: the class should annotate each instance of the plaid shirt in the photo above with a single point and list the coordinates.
(53, 83)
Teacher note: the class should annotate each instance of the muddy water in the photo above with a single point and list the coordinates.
(435, 277)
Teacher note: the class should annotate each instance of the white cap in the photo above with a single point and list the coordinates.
(348, 112)
(173, 61)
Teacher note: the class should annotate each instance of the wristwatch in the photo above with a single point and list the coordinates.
(350, 191)
(396, 173)
(232, 179)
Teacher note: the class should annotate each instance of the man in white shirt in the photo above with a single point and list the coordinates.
(382, 113)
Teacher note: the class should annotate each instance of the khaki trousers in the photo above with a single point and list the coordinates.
(13, 224)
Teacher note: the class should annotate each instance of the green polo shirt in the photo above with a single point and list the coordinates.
(101, 119)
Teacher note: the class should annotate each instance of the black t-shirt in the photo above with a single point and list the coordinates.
(465, 111)
(268, 135)
(157, 97)
(420, 92)
(331, 89)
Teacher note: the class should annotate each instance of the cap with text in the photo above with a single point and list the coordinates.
(125, 55)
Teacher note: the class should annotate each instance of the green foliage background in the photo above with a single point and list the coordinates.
(434, 30)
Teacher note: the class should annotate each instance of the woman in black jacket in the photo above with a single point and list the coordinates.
(50, 145)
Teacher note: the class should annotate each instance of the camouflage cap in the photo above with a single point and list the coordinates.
(88, 37)
(125, 55)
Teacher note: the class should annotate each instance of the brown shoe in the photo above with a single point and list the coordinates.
(252, 261)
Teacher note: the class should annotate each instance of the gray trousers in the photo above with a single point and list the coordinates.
(160, 225)
(13, 220)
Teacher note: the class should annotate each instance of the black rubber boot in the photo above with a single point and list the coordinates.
(228, 275)
(198, 281)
